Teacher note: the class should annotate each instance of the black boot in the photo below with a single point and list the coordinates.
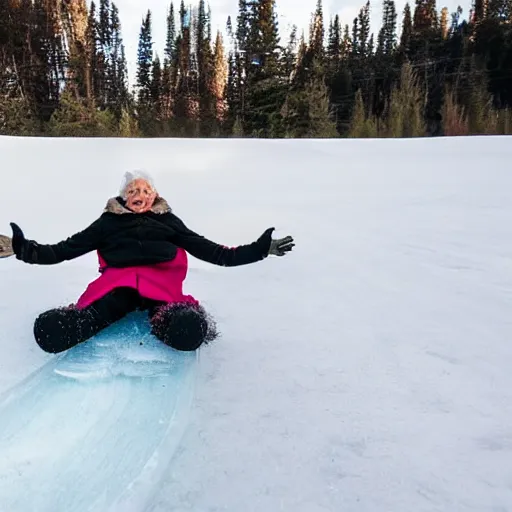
(183, 326)
(60, 329)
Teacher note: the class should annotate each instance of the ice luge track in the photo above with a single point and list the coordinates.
(96, 428)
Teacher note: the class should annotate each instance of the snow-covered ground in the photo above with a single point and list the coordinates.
(369, 370)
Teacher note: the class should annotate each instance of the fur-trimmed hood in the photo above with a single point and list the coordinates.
(5, 246)
(117, 205)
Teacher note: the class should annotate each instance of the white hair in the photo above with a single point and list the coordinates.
(130, 176)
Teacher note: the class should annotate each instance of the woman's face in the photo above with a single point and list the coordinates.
(140, 196)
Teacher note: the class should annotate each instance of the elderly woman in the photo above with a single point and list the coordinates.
(141, 246)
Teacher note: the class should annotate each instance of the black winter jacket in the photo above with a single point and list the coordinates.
(126, 239)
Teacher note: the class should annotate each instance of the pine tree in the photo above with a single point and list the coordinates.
(306, 112)
(425, 16)
(170, 46)
(209, 24)
(387, 34)
(128, 126)
(103, 55)
(123, 77)
(288, 60)
(74, 118)
(44, 49)
(51, 50)
(316, 52)
(361, 126)
(270, 39)
(93, 80)
(144, 61)
(405, 114)
(242, 29)
(346, 44)
(261, 46)
(321, 124)
(355, 39)
(170, 68)
(205, 74)
(300, 73)
(334, 52)
(104, 32)
(91, 56)
(117, 70)
(59, 53)
(74, 18)
(156, 88)
(229, 29)
(405, 39)
(220, 72)
(371, 46)
(17, 117)
(317, 32)
(167, 96)
(156, 85)
(185, 104)
(232, 95)
(364, 31)
(238, 64)
(262, 91)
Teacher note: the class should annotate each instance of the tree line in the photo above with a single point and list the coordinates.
(429, 72)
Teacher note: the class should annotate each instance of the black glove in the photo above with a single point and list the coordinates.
(23, 248)
(278, 247)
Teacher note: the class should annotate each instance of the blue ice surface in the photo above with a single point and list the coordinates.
(96, 428)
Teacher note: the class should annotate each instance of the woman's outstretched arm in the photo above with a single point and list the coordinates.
(212, 252)
(30, 251)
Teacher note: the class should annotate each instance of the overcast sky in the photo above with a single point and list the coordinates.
(290, 12)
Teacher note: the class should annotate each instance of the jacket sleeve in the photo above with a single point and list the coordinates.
(211, 252)
(77, 245)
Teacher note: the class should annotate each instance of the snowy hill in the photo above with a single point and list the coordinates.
(367, 371)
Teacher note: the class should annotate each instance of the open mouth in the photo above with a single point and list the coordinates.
(137, 203)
